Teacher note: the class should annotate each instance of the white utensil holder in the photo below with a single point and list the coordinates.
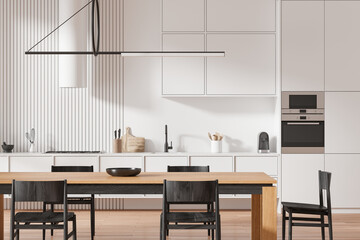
(216, 146)
(31, 148)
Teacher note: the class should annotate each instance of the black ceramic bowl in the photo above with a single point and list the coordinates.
(123, 172)
(7, 148)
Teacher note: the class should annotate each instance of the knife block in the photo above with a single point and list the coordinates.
(117, 145)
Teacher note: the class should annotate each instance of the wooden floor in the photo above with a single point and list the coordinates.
(145, 225)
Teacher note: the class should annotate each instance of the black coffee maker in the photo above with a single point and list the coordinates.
(264, 143)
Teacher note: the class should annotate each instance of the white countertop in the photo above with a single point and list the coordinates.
(147, 154)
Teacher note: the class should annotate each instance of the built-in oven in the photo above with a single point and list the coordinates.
(302, 127)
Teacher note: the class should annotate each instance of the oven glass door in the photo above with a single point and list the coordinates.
(302, 134)
(302, 101)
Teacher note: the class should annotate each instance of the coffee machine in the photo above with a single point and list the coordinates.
(264, 143)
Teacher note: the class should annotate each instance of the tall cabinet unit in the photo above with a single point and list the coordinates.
(245, 30)
(302, 46)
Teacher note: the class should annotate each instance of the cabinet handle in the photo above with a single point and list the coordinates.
(303, 123)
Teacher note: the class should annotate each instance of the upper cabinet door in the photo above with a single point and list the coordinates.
(247, 68)
(183, 15)
(303, 46)
(183, 75)
(342, 29)
(342, 116)
(241, 15)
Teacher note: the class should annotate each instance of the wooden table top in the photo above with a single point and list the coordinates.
(142, 178)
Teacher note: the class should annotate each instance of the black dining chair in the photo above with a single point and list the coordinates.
(90, 200)
(312, 209)
(191, 169)
(40, 191)
(190, 192)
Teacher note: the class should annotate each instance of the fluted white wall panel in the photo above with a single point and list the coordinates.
(64, 119)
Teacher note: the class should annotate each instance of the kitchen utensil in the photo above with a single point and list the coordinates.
(115, 134)
(7, 147)
(131, 143)
(123, 172)
(209, 134)
(215, 138)
(27, 135)
(119, 131)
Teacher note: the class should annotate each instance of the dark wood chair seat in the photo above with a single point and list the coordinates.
(304, 208)
(191, 217)
(41, 217)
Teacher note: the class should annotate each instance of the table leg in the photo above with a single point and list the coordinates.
(1, 217)
(263, 215)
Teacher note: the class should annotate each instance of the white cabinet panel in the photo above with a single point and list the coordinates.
(300, 181)
(159, 164)
(267, 165)
(303, 46)
(342, 116)
(217, 164)
(241, 15)
(78, 161)
(31, 164)
(4, 164)
(342, 29)
(183, 75)
(345, 173)
(183, 15)
(110, 162)
(248, 66)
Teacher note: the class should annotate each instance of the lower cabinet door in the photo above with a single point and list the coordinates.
(159, 164)
(217, 164)
(78, 161)
(31, 164)
(4, 164)
(345, 177)
(300, 181)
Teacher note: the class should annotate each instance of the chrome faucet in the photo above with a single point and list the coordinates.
(166, 145)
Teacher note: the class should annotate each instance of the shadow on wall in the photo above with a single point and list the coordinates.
(229, 104)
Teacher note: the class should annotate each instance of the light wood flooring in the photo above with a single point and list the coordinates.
(144, 225)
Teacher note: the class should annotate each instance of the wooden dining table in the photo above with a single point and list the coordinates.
(261, 187)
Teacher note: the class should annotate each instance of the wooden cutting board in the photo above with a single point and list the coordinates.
(130, 143)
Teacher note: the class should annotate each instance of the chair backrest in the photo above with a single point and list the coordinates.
(39, 191)
(188, 169)
(72, 168)
(198, 192)
(324, 184)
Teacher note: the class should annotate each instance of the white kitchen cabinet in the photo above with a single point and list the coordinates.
(268, 165)
(342, 48)
(4, 164)
(342, 118)
(183, 15)
(247, 68)
(300, 181)
(160, 163)
(183, 75)
(217, 164)
(303, 46)
(78, 161)
(345, 175)
(31, 164)
(111, 162)
(241, 15)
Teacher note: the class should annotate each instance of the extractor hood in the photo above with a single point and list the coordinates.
(95, 27)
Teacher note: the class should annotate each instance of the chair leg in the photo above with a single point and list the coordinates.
(161, 228)
(212, 232)
(290, 225)
(52, 210)
(43, 233)
(330, 227)
(283, 224)
(208, 209)
(12, 228)
(164, 227)
(18, 234)
(92, 213)
(322, 227)
(218, 229)
(74, 228)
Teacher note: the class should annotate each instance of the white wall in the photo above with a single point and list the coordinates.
(119, 94)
